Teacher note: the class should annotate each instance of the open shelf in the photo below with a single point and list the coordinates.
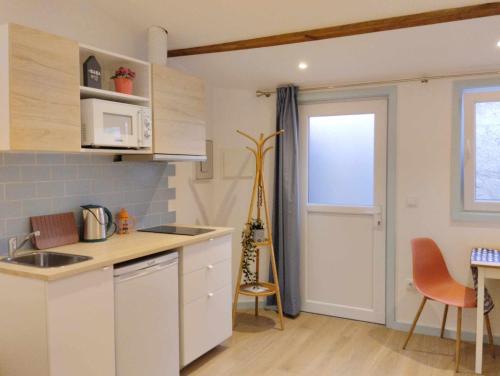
(109, 62)
(265, 243)
(271, 289)
(90, 92)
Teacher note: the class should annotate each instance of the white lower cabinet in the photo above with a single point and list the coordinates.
(69, 323)
(205, 296)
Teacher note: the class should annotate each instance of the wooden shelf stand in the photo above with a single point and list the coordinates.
(257, 201)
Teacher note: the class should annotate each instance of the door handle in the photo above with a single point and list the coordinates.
(378, 219)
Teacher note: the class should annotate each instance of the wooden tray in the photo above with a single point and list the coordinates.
(55, 230)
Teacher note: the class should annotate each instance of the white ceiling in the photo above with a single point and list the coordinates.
(455, 47)
(199, 22)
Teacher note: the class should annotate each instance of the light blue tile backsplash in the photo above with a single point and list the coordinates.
(34, 184)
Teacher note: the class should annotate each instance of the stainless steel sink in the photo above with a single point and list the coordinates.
(46, 259)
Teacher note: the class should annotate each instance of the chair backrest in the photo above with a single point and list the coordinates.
(429, 267)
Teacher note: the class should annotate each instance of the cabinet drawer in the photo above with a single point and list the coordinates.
(206, 323)
(198, 256)
(211, 278)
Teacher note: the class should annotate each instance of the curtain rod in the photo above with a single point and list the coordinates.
(424, 80)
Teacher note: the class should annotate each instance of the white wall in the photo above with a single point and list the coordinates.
(78, 20)
(424, 126)
(423, 171)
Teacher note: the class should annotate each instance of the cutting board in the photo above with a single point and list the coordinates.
(55, 230)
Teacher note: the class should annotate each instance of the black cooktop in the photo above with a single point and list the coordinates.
(177, 230)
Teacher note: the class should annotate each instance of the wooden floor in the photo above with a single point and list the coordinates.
(321, 345)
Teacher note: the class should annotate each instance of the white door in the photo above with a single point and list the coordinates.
(343, 161)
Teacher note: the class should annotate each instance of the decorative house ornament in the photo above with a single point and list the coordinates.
(92, 74)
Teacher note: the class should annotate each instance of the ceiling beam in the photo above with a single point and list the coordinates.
(365, 27)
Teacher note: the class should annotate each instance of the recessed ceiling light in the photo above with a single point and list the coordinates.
(498, 43)
(302, 65)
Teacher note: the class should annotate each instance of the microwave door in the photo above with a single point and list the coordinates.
(119, 129)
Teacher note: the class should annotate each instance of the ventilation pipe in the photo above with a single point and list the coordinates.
(157, 45)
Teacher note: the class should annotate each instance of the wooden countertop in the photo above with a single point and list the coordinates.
(117, 249)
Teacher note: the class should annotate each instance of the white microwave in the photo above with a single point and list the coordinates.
(115, 125)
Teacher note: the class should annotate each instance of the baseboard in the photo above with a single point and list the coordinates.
(436, 332)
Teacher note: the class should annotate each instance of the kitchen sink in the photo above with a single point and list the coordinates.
(46, 259)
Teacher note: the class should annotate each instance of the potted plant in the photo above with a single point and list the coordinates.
(258, 230)
(123, 79)
(249, 254)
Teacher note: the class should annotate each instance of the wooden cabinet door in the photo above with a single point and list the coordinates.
(179, 119)
(81, 324)
(44, 91)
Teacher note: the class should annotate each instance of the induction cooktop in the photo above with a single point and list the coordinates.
(177, 230)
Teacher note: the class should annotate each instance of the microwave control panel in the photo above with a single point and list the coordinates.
(147, 129)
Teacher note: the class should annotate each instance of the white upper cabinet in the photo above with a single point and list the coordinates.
(40, 96)
(179, 113)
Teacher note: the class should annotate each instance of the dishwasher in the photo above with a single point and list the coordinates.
(147, 316)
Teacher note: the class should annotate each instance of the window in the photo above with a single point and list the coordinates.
(481, 149)
(341, 160)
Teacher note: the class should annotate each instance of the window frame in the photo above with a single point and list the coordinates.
(470, 99)
(463, 205)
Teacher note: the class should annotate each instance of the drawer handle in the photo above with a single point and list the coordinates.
(210, 266)
(210, 294)
(211, 239)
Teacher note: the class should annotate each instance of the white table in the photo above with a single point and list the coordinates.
(486, 269)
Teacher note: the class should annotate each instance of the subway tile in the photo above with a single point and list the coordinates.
(64, 172)
(49, 189)
(138, 196)
(10, 173)
(158, 207)
(40, 206)
(101, 159)
(50, 158)
(77, 187)
(2, 228)
(17, 226)
(19, 158)
(103, 185)
(89, 172)
(2, 159)
(35, 173)
(2, 192)
(70, 204)
(169, 217)
(19, 191)
(171, 194)
(4, 246)
(80, 158)
(10, 209)
(170, 170)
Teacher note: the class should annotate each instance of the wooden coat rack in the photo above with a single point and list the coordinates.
(258, 288)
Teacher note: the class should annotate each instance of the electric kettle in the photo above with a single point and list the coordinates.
(97, 221)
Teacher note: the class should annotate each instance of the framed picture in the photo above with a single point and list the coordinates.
(205, 170)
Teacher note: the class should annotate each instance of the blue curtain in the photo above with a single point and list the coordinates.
(286, 201)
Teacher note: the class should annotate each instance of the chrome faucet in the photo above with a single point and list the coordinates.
(13, 247)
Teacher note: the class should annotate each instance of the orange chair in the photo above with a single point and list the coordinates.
(433, 280)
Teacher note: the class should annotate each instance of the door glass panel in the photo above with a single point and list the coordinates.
(487, 151)
(341, 160)
(117, 125)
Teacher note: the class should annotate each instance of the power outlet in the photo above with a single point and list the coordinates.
(409, 284)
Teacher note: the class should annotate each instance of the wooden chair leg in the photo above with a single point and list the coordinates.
(419, 312)
(459, 338)
(444, 320)
(490, 336)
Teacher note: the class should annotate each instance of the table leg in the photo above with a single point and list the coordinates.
(480, 321)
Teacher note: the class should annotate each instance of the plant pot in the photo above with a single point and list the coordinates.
(258, 235)
(124, 85)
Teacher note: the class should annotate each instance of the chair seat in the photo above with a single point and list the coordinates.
(451, 293)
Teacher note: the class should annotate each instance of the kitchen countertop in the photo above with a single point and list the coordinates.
(116, 249)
